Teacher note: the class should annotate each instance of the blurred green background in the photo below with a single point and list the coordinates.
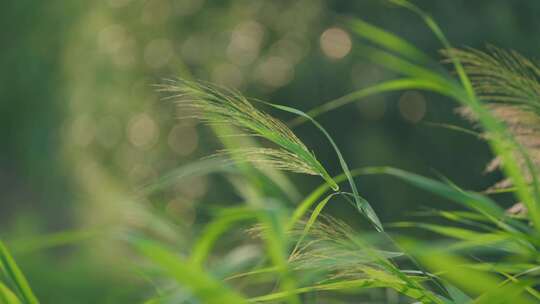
(82, 127)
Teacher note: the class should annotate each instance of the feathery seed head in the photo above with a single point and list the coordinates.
(217, 106)
(510, 83)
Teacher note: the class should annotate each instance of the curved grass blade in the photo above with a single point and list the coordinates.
(471, 200)
(362, 205)
(196, 168)
(11, 271)
(312, 198)
(197, 281)
(409, 83)
(253, 272)
(457, 295)
(507, 293)
(346, 285)
(473, 282)
(402, 66)
(453, 128)
(204, 243)
(274, 235)
(388, 40)
(52, 240)
(7, 296)
(529, 286)
(499, 241)
(468, 199)
(312, 219)
(501, 142)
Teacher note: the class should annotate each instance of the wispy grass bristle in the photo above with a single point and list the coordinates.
(508, 81)
(276, 158)
(332, 246)
(217, 106)
(501, 76)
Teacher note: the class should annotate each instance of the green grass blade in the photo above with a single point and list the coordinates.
(452, 127)
(7, 296)
(312, 198)
(190, 276)
(356, 284)
(153, 301)
(457, 295)
(379, 88)
(455, 232)
(470, 239)
(473, 282)
(346, 286)
(312, 219)
(363, 206)
(402, 66)
(52, 240)
(276, 241)
(501, 142)
(508, 293)
(15, 275)
(204, 243)
(471, 200)
(505, 267)
(259, 271)
(388, 40)
(196, 168)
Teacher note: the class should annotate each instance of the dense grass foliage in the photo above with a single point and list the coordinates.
(477, 252)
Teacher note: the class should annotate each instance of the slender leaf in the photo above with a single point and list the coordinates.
(204, 243)
(188, 275)
(15, 275)
(363, 206)
(388, 40)
(7, 296)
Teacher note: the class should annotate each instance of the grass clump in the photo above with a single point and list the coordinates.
(482, 255)
(479, 255)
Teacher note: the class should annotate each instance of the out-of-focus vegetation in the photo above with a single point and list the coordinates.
(99, 168)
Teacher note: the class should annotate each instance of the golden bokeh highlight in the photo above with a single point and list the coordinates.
(183, 139)
(156, 12)
(116, 42)
(83, 130)
(109, 131)
(158, 53)
(275, 72)
(245, 43)
(335, 43)
(228, 75)
(142, 131)
(412, 106)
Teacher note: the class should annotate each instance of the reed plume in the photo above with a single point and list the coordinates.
(219, 106)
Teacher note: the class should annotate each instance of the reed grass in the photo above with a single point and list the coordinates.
(481, 253)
